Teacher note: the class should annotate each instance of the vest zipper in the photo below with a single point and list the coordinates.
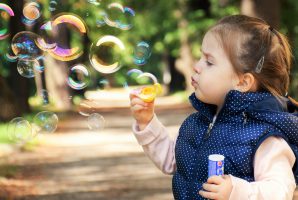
(245, 118)
(210, 126)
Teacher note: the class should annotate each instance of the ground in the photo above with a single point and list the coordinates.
(75, 163)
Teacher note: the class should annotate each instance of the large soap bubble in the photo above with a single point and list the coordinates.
(106, 55)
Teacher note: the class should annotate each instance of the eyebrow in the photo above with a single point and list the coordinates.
(207, 54)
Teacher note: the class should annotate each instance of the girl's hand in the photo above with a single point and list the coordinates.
(217, 187)
(142, 111)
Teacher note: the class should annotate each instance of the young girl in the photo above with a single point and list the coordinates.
(243, 113)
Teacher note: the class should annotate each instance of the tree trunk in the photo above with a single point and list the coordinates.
(185, 62)
(19, 85)
(56, 75)
(269, 10)
(7, 101)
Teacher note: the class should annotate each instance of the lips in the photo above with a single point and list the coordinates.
(193, 82)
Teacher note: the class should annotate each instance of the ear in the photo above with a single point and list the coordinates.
(247, 83)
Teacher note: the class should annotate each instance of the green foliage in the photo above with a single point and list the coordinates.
(3, 134)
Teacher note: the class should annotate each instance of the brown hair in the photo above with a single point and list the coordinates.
(246, 40)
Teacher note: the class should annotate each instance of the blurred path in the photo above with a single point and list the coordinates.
(75, 163)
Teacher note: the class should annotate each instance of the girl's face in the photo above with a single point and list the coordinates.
(214, 74)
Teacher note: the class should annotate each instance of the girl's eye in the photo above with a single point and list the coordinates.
(208, 63)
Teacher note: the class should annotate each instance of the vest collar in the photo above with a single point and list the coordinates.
(235, 102)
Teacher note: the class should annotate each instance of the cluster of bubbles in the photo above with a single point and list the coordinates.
(105, 56)
(20, 130)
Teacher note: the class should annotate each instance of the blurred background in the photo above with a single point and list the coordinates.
(66, 70)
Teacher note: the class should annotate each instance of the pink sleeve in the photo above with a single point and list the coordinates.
(274, 178)
(157, 145)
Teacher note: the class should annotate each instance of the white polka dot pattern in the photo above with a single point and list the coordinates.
(244, 122)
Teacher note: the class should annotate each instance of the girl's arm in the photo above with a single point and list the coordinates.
(157, 145)
(273, 164)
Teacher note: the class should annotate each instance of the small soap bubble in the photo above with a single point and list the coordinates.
(24, 46)
(44, 97)
(32, 11)
(103, 84)
(19, 130)
(87, 107)
(53, 5)
(126, 23)
(114, 12)
(40, 68)
(45, 122)
(27, 67)
(96, 122)
(119, 16)
(79, 77)
(142, 53)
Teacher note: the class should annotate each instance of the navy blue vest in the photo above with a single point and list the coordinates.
(243, 123)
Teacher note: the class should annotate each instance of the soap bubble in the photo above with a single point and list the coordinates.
(103, 83)
(119, 16)
(9, 56)
(115, 10)
(127, 23)
(23, 45)
(96, 122)
(27, 67)
(19, 130)
(53, 5)
(5, 13)
(87, 107)
(142, 53)
(64, 53)
(106, 55)
(45, 122)
(79, 77)
(31, 12)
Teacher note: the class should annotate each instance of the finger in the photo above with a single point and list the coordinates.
(225, 176)
(210, 187)
(138, 101)
(137, 107)
(208, 195)
(135, 92)
(132, 95)
(215, 180)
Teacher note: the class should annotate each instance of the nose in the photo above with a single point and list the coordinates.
(197, 67)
